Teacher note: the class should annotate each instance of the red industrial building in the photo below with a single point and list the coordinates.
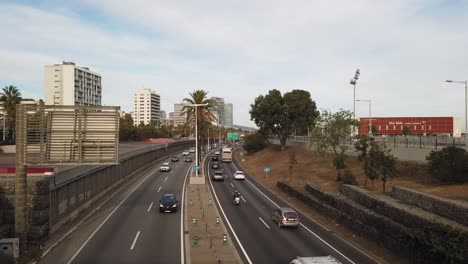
(417, 125)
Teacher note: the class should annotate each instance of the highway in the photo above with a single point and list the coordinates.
(260, 237)
(130, 228)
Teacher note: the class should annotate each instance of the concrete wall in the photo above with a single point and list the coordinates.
(453, 210)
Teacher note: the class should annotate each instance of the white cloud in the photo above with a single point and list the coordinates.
(238, 50)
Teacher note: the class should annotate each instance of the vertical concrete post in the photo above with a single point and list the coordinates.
(20, 179)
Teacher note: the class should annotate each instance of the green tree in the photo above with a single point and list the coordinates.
(374, 129)
(449, 165)
(387, 166)
(280, 114)
(362, 146)
(255, 142)
(9, 98)
(406, 131)
(331, 132)
(127, 131)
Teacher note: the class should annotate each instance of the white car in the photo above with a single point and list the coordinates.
(165, 167)
(186, 153)
(217, 152)
(239, 175)
(192, 150)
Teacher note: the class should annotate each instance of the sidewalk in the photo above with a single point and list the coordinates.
(206, 237)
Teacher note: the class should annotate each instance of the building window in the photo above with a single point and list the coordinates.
(430, 127)
(393, 127)
(380, 128)
(414, 127)
(386, 127)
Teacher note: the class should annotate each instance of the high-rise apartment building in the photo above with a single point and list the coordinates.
(68, 84)
(228, 120)
(147, 107)
(219, 106)
(179, 118)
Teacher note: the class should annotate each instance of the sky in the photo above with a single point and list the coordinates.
(238, 50)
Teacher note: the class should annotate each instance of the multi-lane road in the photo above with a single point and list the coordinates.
(130, 228)
(259, 239)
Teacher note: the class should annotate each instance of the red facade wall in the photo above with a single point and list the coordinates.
(417, 125)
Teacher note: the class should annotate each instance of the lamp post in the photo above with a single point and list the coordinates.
(196, 133)
(466, 108)
(353, 83)
(370, 113)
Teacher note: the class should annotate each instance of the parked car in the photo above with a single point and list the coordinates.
(174, 159)
(165, 167)
(215, 158)
(168, 203)
(188, 159)
(239, 175)
(285, 216)
(215, 165)
(185, 153)
(218, 176)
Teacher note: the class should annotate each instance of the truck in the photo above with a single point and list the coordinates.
(226, 154)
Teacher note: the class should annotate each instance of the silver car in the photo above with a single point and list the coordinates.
(285, 216)
(218, 176)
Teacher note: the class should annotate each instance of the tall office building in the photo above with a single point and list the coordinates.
(228, 120)
(68, 84)
(147, 107)
(219, 106)
(179, 118)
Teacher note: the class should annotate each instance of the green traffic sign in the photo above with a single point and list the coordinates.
(232, 136)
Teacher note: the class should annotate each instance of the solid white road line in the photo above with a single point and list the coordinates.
(149, 208)
(263, 222)
(107, 218)
(182, 252)
(310, 231)
(159, 189)
(242, 197)
(135, 240)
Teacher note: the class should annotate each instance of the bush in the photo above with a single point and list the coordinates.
(255, 142)
(449, 165)
(348, 177)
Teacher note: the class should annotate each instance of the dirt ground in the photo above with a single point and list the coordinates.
(318, 169)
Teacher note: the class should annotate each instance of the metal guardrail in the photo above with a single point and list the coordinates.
(70, 195)
(420, 142)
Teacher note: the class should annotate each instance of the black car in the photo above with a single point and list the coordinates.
(174, 159)
(168, 203)
(214, 158)
(188, 159)
(215, 165)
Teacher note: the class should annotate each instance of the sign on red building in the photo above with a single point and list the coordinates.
(416, 125)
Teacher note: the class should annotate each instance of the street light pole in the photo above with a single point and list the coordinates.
(466, 108)
(370, 114)
(196, 133)
(353, 82)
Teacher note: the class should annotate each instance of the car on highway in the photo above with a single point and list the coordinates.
(215, 158)
(217, 153)
(168, 203)
(285, 216)
(174, 159)
(215, 165)
(239, 175)
(188, 159)
(315, 260)
(185, 153)
(192, 150)
(218, 176)
(165, 167)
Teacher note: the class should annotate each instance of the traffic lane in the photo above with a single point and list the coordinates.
(347, 251)
(282, 244)
(113, 241)
(159, 242)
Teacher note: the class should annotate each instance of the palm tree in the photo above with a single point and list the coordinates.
(205, 115)
(9, 98)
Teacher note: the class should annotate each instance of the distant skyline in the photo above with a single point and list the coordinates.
(405, 49)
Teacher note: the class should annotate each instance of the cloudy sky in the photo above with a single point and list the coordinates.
(238, 50)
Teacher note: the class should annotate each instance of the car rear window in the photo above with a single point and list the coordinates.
(218, 173)
(290, 215)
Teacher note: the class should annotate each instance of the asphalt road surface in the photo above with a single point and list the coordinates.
(131, 229)
(260, 238)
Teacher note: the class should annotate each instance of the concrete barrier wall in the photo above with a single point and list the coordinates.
(453, 210)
